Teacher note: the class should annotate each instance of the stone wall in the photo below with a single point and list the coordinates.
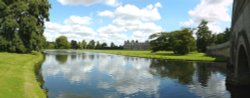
(222, 50)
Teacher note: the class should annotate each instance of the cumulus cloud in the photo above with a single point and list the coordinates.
(75, 28)
(132, 12)
(106, 14)
(127, 22)
(130, 18)
(88, 2)
(111, 29)
(215, 12)
(78, 20)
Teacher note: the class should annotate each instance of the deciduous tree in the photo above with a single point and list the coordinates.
(74, 44)
(204, 36)
(62, 43)
(22, 25)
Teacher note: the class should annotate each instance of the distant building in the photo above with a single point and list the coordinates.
(135, 45)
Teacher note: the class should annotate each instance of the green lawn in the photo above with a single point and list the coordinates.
(17, 76)
(169, 55)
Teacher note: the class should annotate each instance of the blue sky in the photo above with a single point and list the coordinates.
(119, 20)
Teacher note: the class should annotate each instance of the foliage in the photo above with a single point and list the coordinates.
(98, 45)
(104, 45)
(22, 25)
(160, 41)
(80, 45)
(3, 44)
(84, 44)
(180, 41)
(91, 45)
(223, 37)
(204, 37)
(74, 44)
(112, 45)
(62, 43)
(50, 45)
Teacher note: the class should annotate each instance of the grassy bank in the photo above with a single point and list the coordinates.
(17, 76)
(169, 55)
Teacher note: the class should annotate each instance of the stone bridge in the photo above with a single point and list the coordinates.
(239, 53)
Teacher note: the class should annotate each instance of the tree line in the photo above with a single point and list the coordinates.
(182, 41)
(62, 43)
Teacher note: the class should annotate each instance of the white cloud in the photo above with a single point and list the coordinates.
(78, 20)
(88, 2)
(215, 12)
(130, 18)
(132, 12)
(106, 14)
(78, 2)
(128, 22)
(111, 29)
(112, 2)
(74, 28)
(158, 4)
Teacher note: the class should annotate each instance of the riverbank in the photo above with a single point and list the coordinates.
(169, 55)
(17, 76)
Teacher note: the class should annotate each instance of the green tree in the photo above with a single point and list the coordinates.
(3, 44)
(182, 41)
(160, 41)
(62, 43)
(204, 36)
(84, 44)
(104, 45)
(98, 45)
(50, 45)
(223, 37)
(91, 45)
(74, 44)
(80, 45)
(22, 24)
(227, 33)
(112, 45)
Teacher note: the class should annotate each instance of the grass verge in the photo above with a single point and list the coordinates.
(169, 55)
(17, 76)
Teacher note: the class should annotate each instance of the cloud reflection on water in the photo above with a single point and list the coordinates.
(114, 76)
(129, 75)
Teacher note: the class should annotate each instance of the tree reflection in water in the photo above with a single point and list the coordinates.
(61, 58)
(183, 71)
(121, 76)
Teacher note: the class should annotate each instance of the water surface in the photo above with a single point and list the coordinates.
(98, 75)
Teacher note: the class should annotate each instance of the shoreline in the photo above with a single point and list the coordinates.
(161, 55)
(193, 56)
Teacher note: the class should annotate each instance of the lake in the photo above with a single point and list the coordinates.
(74, 74)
